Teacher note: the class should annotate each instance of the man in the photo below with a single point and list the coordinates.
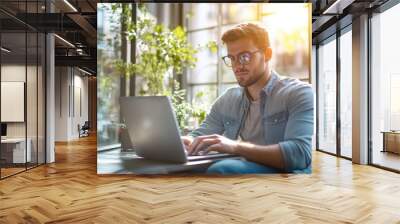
(268, 120)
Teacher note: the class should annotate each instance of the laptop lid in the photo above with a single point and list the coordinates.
(153, 128)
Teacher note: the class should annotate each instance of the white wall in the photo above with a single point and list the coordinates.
(12, 73)
(61, 103)
(71, 94)
(81, 94)
(34, 125)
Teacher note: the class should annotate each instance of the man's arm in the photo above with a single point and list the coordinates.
(268, 155)
(296, 148)
(291, 154)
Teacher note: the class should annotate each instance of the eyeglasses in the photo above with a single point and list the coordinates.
(244, 58)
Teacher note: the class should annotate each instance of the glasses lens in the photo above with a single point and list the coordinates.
(244, 58)
(227, 61)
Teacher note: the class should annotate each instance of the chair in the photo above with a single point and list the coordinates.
(84, 130)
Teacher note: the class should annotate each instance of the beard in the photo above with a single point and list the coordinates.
(246, 79)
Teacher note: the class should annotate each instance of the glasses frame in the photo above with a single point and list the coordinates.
(241, 62)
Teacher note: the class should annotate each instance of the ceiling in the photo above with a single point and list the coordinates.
(330, 15)
(75, 21)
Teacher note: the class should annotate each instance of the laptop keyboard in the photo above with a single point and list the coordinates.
(210, 155)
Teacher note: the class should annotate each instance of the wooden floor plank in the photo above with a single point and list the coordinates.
(70, 191)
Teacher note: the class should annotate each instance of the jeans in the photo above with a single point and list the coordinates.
(239, 166)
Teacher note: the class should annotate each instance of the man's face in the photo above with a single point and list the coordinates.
(249, 74)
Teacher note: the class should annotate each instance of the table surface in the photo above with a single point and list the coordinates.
(391, 132)
(13, 140)
(116, 162)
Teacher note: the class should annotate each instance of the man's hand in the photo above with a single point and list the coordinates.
(269, 155)
(187, 141)
(217, 143)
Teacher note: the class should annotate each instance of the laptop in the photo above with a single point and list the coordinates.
(153, 130)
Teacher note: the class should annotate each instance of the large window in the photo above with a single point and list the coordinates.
(327, 96)
(385, 84)
(289, 37)
(346, 93)
(109, 81)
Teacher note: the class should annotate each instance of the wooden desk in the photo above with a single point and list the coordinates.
(116, 162)
(391, 141)
(13, 150)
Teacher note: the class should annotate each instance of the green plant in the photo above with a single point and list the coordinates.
(183, 110)
(161, 53)
(199, 113)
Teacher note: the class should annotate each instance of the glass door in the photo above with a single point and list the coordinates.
(327, 96)
(385, 89)
(346, 93)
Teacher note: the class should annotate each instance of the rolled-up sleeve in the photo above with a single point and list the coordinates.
(297, 147)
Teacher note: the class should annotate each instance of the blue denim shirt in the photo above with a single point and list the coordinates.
(287, 108)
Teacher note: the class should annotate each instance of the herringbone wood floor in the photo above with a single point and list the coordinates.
(70, 191)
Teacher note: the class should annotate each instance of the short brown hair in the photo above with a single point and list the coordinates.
(252, 31)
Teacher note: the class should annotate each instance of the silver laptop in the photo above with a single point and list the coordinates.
(153, 130)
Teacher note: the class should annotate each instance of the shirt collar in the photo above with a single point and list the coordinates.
(271, 83)
(267, 89)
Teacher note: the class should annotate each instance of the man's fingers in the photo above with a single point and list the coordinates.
(194, 147)
(186, 147)
(215, 147)
(186, 140)
(197, 140)
(204, 144)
